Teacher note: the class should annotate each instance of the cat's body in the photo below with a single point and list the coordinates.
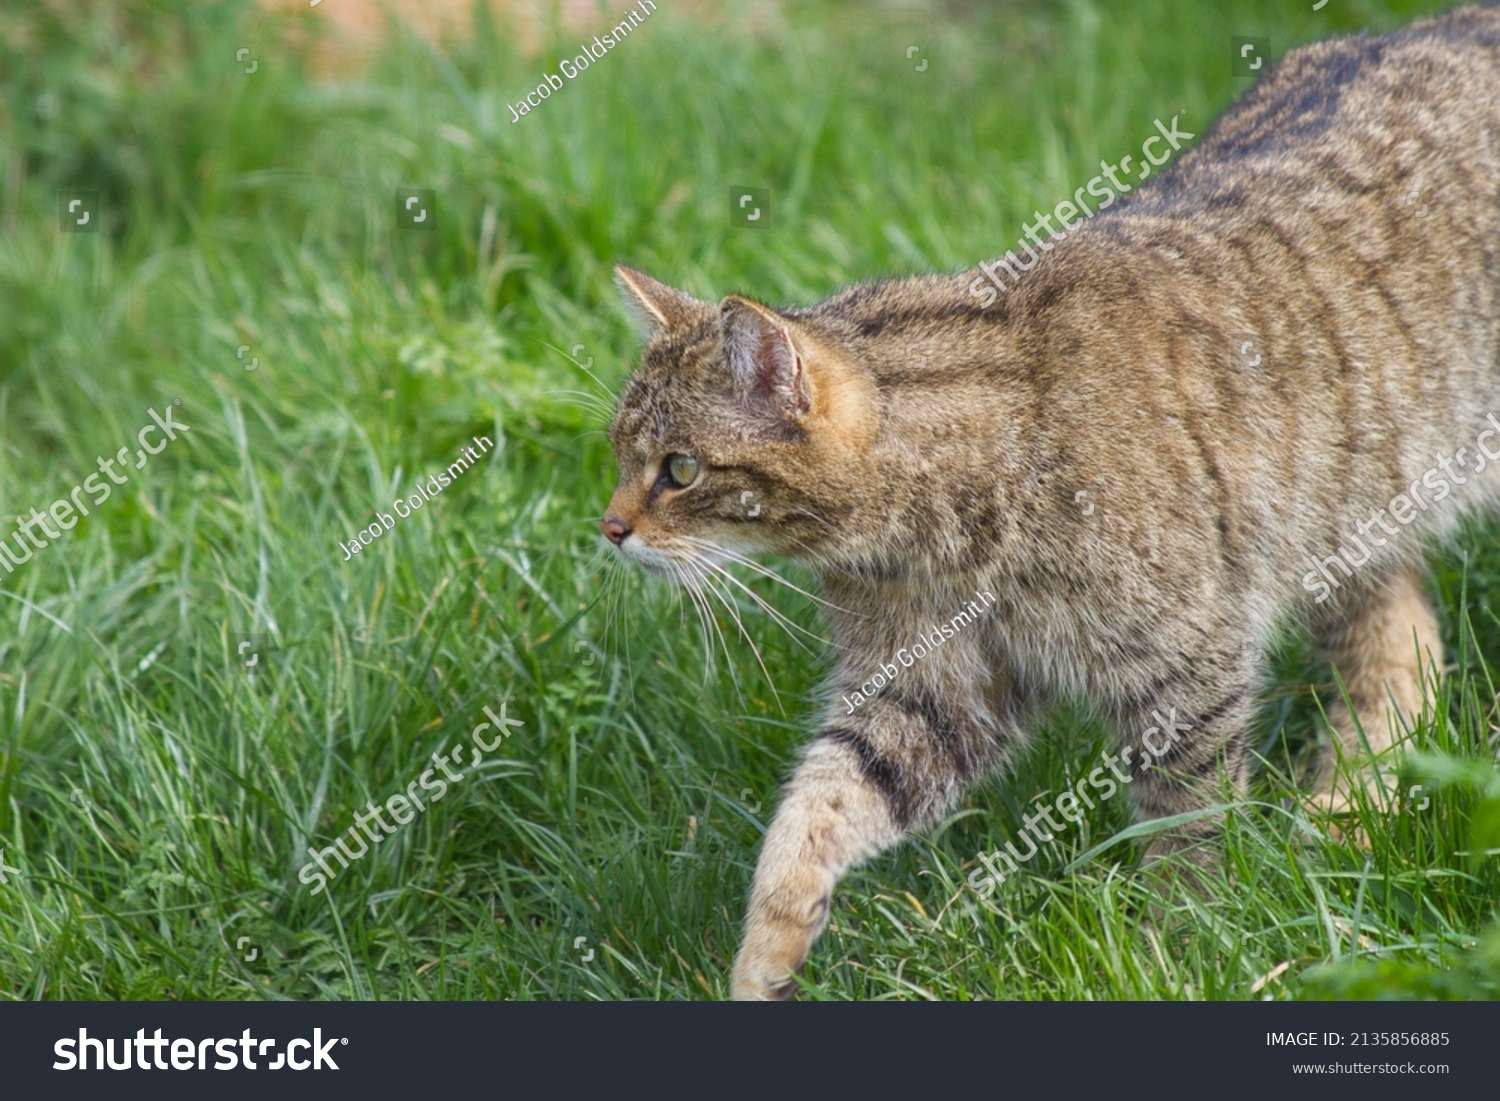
(1144, 453)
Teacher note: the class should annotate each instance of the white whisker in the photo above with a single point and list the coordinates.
(781, 620)
(769, 574)
(705, 618)
(584, 400)
(815, 516)
(694, 564)
(614, 397)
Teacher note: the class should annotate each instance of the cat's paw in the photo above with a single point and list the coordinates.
(750, 988)
(1341, 817)
(784, 921)
(765, 969)
(1337, 803)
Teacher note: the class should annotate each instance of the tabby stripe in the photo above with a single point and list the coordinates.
(1345, 393)
(947, 311)
(1193, 741)
(937, 719)
(1195, 670)
(881, 773)
(1394, 314)
(1205, 768)
(1192, 423)
(1330, 169)
(1217, 712)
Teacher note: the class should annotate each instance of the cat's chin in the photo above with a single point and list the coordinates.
(660, 570)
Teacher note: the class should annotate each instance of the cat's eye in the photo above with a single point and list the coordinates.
(682, 469)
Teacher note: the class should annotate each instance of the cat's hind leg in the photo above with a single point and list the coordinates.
(1382, 639)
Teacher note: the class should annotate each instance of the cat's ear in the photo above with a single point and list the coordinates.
(656, 307)
(763, 357)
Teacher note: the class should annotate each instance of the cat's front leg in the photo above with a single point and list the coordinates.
(868, 777)
(832, 816)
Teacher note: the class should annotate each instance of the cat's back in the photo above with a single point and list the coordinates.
(1360, 116)
(1313, 290)
(1276, 333)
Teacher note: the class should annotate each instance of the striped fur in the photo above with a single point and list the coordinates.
(1142, 450)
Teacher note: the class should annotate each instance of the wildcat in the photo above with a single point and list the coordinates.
(1127, 500)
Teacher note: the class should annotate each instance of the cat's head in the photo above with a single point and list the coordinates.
(744, 430)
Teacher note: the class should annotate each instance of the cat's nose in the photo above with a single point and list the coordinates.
(614, 529)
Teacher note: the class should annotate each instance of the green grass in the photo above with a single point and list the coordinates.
(159, 804)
